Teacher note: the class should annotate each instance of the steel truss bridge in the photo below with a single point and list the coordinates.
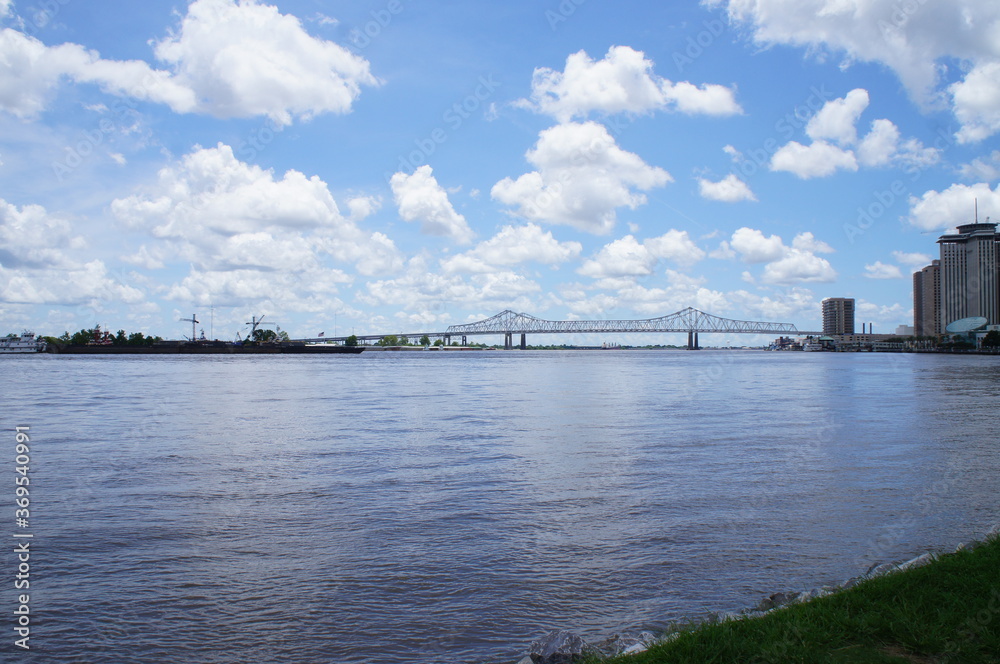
(508, 323)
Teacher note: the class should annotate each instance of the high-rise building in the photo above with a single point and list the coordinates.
(838, 315)
(970, 274)
(927, 301)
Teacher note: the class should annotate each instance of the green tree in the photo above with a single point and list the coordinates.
(351, 341)
(439, 342)
(992, 339)
(389, 340)
(82, 338)
(425, 340)
(264, 336)
(120, 339)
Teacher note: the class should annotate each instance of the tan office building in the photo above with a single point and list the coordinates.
(927, 301)
(838, 315)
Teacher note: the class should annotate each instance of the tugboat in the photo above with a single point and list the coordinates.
(26, 343)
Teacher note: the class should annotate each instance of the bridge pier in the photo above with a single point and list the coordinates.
(524, 341)
(464, 342)
(693, 340)
(508, 341)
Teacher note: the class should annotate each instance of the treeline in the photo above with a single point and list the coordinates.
(394, 340)
(99, 337)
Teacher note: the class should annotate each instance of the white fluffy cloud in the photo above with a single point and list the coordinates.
(879, 144)
(30, 72)
(784, 265)
(627, 257)
(623, 82)
(789, 304)
(880, 270)
(819, 159)
(754, 247)
(730, 189)
(977, 101)
(912, 260)
(248, 59)
(419, 197)
(984, 169)
(31, 237)
(224, 216)
(38, 263)
(421, 289)
(920, 41)
(582, 178)
(836, 120)
(939, 210)
(511, 246)
(226, 59)
(676, 246)
(798, 267)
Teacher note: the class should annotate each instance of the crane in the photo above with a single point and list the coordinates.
(194, 321)
(254, 324)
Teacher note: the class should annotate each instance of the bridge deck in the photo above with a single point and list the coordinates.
(691, 321)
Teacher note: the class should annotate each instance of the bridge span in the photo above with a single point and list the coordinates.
(508, 323)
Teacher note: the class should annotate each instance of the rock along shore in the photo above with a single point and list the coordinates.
(567, 647)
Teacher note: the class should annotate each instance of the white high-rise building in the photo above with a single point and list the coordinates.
(970, 274)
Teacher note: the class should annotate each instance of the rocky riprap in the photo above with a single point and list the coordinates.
(566, 647)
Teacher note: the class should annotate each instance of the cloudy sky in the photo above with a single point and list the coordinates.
(399, 166)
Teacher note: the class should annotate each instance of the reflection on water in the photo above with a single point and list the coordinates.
(429, 507)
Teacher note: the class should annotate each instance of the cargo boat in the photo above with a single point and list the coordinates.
(26, 343)
(211, 348)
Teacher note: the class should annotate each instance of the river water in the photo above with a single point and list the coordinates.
(428, 507)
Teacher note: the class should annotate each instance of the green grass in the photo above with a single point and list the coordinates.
(948, 611)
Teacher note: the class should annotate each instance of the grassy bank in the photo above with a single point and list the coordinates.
(948, 611)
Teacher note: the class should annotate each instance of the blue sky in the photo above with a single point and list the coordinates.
(397, 166)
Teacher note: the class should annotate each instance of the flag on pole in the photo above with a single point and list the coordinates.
(320, 334)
